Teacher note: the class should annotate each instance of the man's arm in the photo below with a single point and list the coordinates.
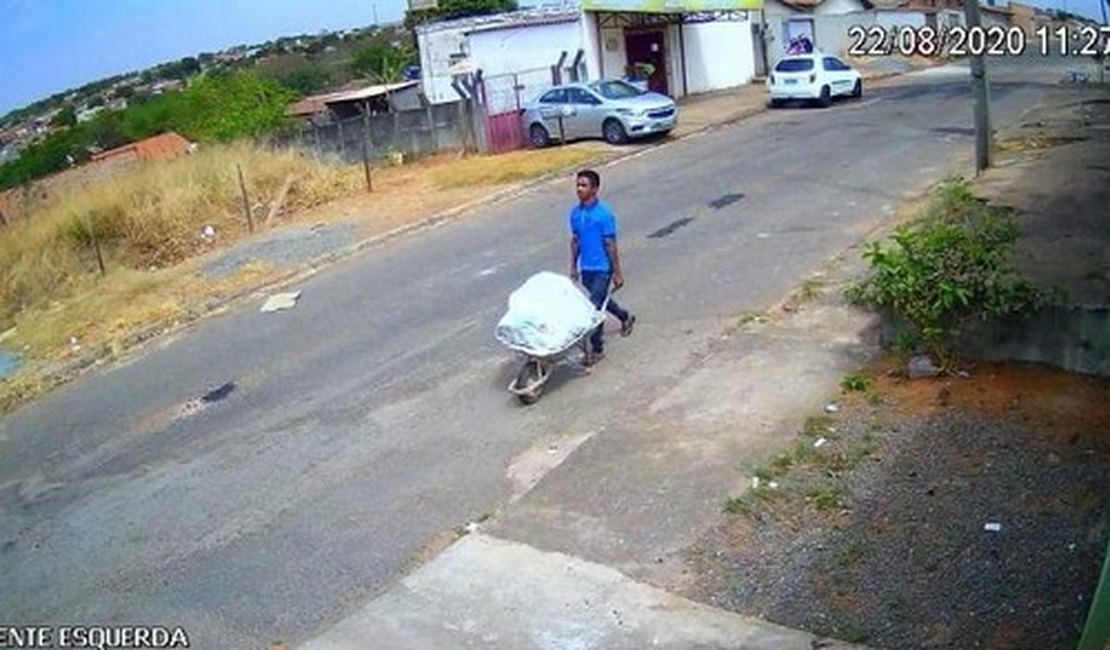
(614, 261)
(574, 257)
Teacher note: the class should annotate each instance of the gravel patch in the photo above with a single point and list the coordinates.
(976, 520)
(285, 248)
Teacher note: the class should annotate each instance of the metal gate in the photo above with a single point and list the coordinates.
(503, 96)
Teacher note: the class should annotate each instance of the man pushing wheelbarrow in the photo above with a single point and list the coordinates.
(549, 316)
(594, 257)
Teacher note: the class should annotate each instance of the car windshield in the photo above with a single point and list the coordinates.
(794, 65)
(616, 89)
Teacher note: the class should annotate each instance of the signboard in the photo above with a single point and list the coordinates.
(418, 5)
(671, 6)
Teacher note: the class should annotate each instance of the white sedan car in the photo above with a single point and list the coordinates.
(814, 77)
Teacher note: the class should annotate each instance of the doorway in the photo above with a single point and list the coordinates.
(648, 47)
(797, 28)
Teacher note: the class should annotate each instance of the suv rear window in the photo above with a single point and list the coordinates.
(794, 65)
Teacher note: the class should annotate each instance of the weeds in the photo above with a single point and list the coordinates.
(855, 382)
(737, 506)
(1034, 143)
(510, 167)
(149, 217)
(826, 498)
(842, 462)
(803, 453)
(810, 289)
(950, 267)
(753, 317)
(817, 426)
(852, 633)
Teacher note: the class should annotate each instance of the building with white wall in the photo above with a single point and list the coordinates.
(690, 46)
(825, 22)
(689, 53)
(524, 43)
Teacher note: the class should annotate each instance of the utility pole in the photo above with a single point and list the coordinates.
(983, 139)
(1103, 45)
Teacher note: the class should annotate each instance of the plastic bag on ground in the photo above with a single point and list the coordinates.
(546, 315)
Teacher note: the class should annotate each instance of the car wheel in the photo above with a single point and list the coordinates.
(613, 132)
(777, 103)
(825, 100)
(539, 136)
(857, 90)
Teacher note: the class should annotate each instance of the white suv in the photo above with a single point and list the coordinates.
(816, 76)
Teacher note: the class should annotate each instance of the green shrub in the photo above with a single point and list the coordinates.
(950, 267)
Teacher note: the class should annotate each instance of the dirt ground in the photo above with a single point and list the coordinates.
(884, 533)
(960, 512)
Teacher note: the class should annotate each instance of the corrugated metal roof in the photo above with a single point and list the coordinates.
(316, 103)
(368, 92)
(524, 18)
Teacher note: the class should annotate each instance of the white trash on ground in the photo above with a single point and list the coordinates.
(546, 315)
(280, 301)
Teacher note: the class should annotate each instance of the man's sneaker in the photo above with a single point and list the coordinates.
(627, 325)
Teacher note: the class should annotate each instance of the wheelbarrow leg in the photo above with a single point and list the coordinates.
(530, 381)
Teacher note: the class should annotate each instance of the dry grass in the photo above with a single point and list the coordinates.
(150, 217)
(1034, 143)
(511, 167)
(112, 308)
(148, 222)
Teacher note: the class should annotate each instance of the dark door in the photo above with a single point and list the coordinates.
(647, 47)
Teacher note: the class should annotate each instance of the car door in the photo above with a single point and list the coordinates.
(588, 114)
(551, 106)
(838, 74)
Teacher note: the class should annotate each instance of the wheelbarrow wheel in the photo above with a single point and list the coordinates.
(528, 375)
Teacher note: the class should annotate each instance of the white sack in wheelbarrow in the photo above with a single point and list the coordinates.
(546, 315)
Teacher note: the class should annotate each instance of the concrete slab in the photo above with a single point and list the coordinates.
(484, 592)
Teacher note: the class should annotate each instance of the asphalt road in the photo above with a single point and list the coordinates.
(374, 415)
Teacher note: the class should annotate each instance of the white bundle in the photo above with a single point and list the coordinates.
(546, 314)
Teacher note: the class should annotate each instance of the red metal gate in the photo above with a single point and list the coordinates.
(504, 132)
(503, 97)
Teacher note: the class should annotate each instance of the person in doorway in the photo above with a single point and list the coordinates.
(594, 258)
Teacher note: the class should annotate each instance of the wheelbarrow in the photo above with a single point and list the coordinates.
(529, 383)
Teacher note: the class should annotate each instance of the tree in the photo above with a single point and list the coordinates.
(188, 67)
(67, 117)
(305, 81)
(382, 63)
(238, 104)
(322, 42)
(451, 9)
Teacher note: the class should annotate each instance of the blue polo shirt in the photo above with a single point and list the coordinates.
(592, 224)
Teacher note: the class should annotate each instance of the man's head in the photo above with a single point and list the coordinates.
(587, 183)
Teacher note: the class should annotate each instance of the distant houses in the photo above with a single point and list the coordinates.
(102, 165)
